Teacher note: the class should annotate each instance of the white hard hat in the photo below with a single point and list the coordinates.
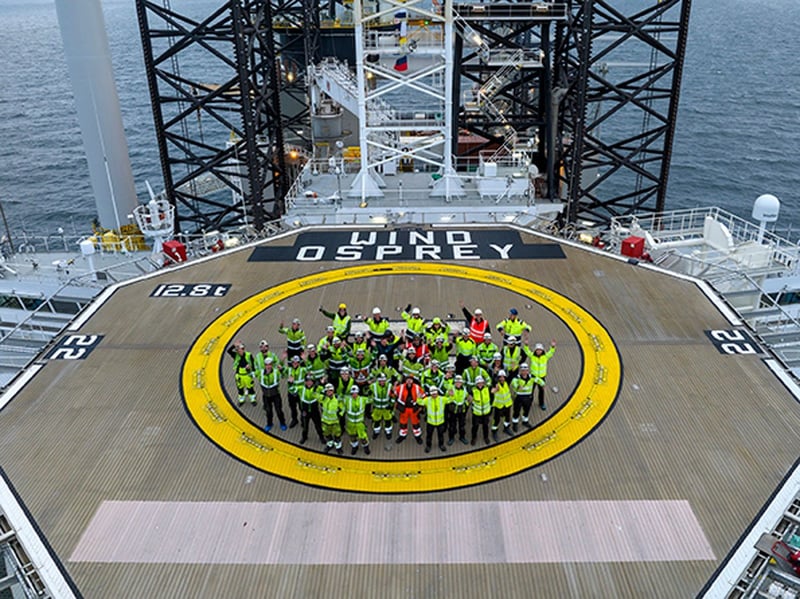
(459, 379)
(487, 335)
(263, 342)
(336, 340)
(268, 361)
(415, 311)
(465, 331)
(479, 380)
(383, 357)
(295, 358)
(381, 377)
(512, 339)
(376, 310)
(538, 346)
(524, 366)
(295, 321)
(329, 387)
(354, 389)
(478, 311)
(329, 328)
(311, 346)
(434, 390)
(497, 356)
(501, 373)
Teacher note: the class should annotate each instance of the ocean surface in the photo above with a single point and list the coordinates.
(738, 132)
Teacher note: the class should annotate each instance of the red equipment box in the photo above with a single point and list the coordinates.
(175, 250)
(633, 246)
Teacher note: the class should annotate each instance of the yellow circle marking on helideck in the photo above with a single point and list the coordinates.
(592, 399)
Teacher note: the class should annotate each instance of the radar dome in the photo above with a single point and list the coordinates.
(766, 208)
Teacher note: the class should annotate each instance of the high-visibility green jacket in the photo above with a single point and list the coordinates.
(441, 353)
(341, 324)
(269, 379)
(377, 328)
(316, 366)
(355, 408)
(434, 408)
(465, 347)
(295, 340)
(522, 385)
(415, 324)
(381, 396)
(459, 396)
(332, 408)
(309, 395)
(513, 327)
(472, 373)
(298, 375)
(260, 359)
(538, 364)
(485, 352)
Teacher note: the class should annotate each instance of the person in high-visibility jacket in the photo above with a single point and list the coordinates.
(263, 353)
(355, 410)
(435, 404)
(513, 326)
(486, 351)
(406, 395)
(440, 350)
(270, 379)
(377, 326)
(513, 356)
(295, 375)
(522, 386)
(457, 410)
(243, 369)
(410, 366)
(383, 368)
(474, 372)
(381, 392)
(336, 356)
(309, 395)
(332, 409)
(436, 328)
(415, 324)
(341, 321)
(432, 376)
(295, 338)
(501, 404)
(465, 349)
(538, 359)
(315, 364)
(481, 408)
(359, 342)
(478, 325)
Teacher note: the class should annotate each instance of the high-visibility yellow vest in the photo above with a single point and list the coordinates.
(538, 364)
(502, 396)
(481, 401)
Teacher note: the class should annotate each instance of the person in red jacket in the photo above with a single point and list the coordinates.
(407, 394)
(477, 324)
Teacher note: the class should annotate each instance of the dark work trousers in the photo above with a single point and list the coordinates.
(272, 399)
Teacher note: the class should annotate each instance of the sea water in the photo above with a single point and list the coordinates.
(737, 132)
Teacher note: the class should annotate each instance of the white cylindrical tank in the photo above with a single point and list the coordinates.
(89, 61)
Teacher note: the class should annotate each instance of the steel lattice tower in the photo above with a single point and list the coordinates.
(617, 85)
(216, 82)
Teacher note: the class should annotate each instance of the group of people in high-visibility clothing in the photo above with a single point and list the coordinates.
(349, 377)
